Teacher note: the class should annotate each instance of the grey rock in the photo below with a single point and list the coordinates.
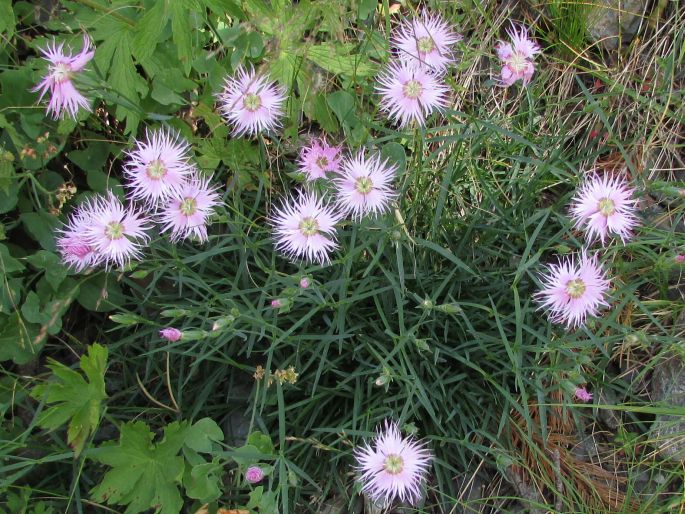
(610, 418)
(611, 21)
(668, 386)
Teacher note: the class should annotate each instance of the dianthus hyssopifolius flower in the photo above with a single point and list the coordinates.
(604, 206)
(517, 56)
(318, 159)
(364, 186)
(573, 289)
(116, 232)
(63, 67)
(304, 228)
(76, 251)
(410, 93)
(251, 103)
(187, 212)
(392, 467)
(158, 167)
(427, 41)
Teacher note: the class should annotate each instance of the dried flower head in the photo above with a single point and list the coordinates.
(251, 103)
(517, 56)
(426, 40)
(604, 206)
(410, 93)
(304, 228)
(365, 185)
(392, 467)
(573, 289)
(63, 67)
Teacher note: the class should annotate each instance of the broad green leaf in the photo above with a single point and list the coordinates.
(55, 271)
(41, 226)
(126, 86)
(203, 481)
(201, 435)
(149, 30)
(18, 339)
(101, 293)
(226, 7)
(7, 21)
(7, 173)
(262, 442)
(342, 104)
(338, 58)
(76, 400)
(144, 475)
(9, 264)
(181, 29)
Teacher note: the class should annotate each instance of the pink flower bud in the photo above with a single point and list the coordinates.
(171, 334)
(582, 394)
(679, 259)
(276, 303)
(254, 474)
(304, 283)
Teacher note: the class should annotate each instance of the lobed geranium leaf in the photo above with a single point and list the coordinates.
(144, 475)
(73, 398)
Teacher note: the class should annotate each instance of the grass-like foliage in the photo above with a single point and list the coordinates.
(217, 367)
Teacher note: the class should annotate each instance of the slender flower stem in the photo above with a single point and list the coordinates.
(103, 8)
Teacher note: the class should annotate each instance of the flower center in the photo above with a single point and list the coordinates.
(79, 250)
(156, 170)
(425, 45)
(363, 185)
(61, 72)
(188, 206)
(518, 63)
(412, 89)
(575, 288)
(309, 226)
(322, 161)
(606, 206)
(393, 464)
(114, 230)
(252, 102)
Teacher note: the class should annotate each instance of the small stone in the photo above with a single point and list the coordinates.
(611, 21)
(668, 386)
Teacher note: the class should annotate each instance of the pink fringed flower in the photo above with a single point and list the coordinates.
(318, 159)
(365, 185)
(582, 394)
(605, 205)
(116, 232)
(254, 474)
(517, 56)
(427, 41)
(158, 167)
(186, 214)
(171, 334)
(304, 228)
(251, 103)
(72, 243)
(64, 97)
(393, 468)
(410, 93)
(573, 290)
